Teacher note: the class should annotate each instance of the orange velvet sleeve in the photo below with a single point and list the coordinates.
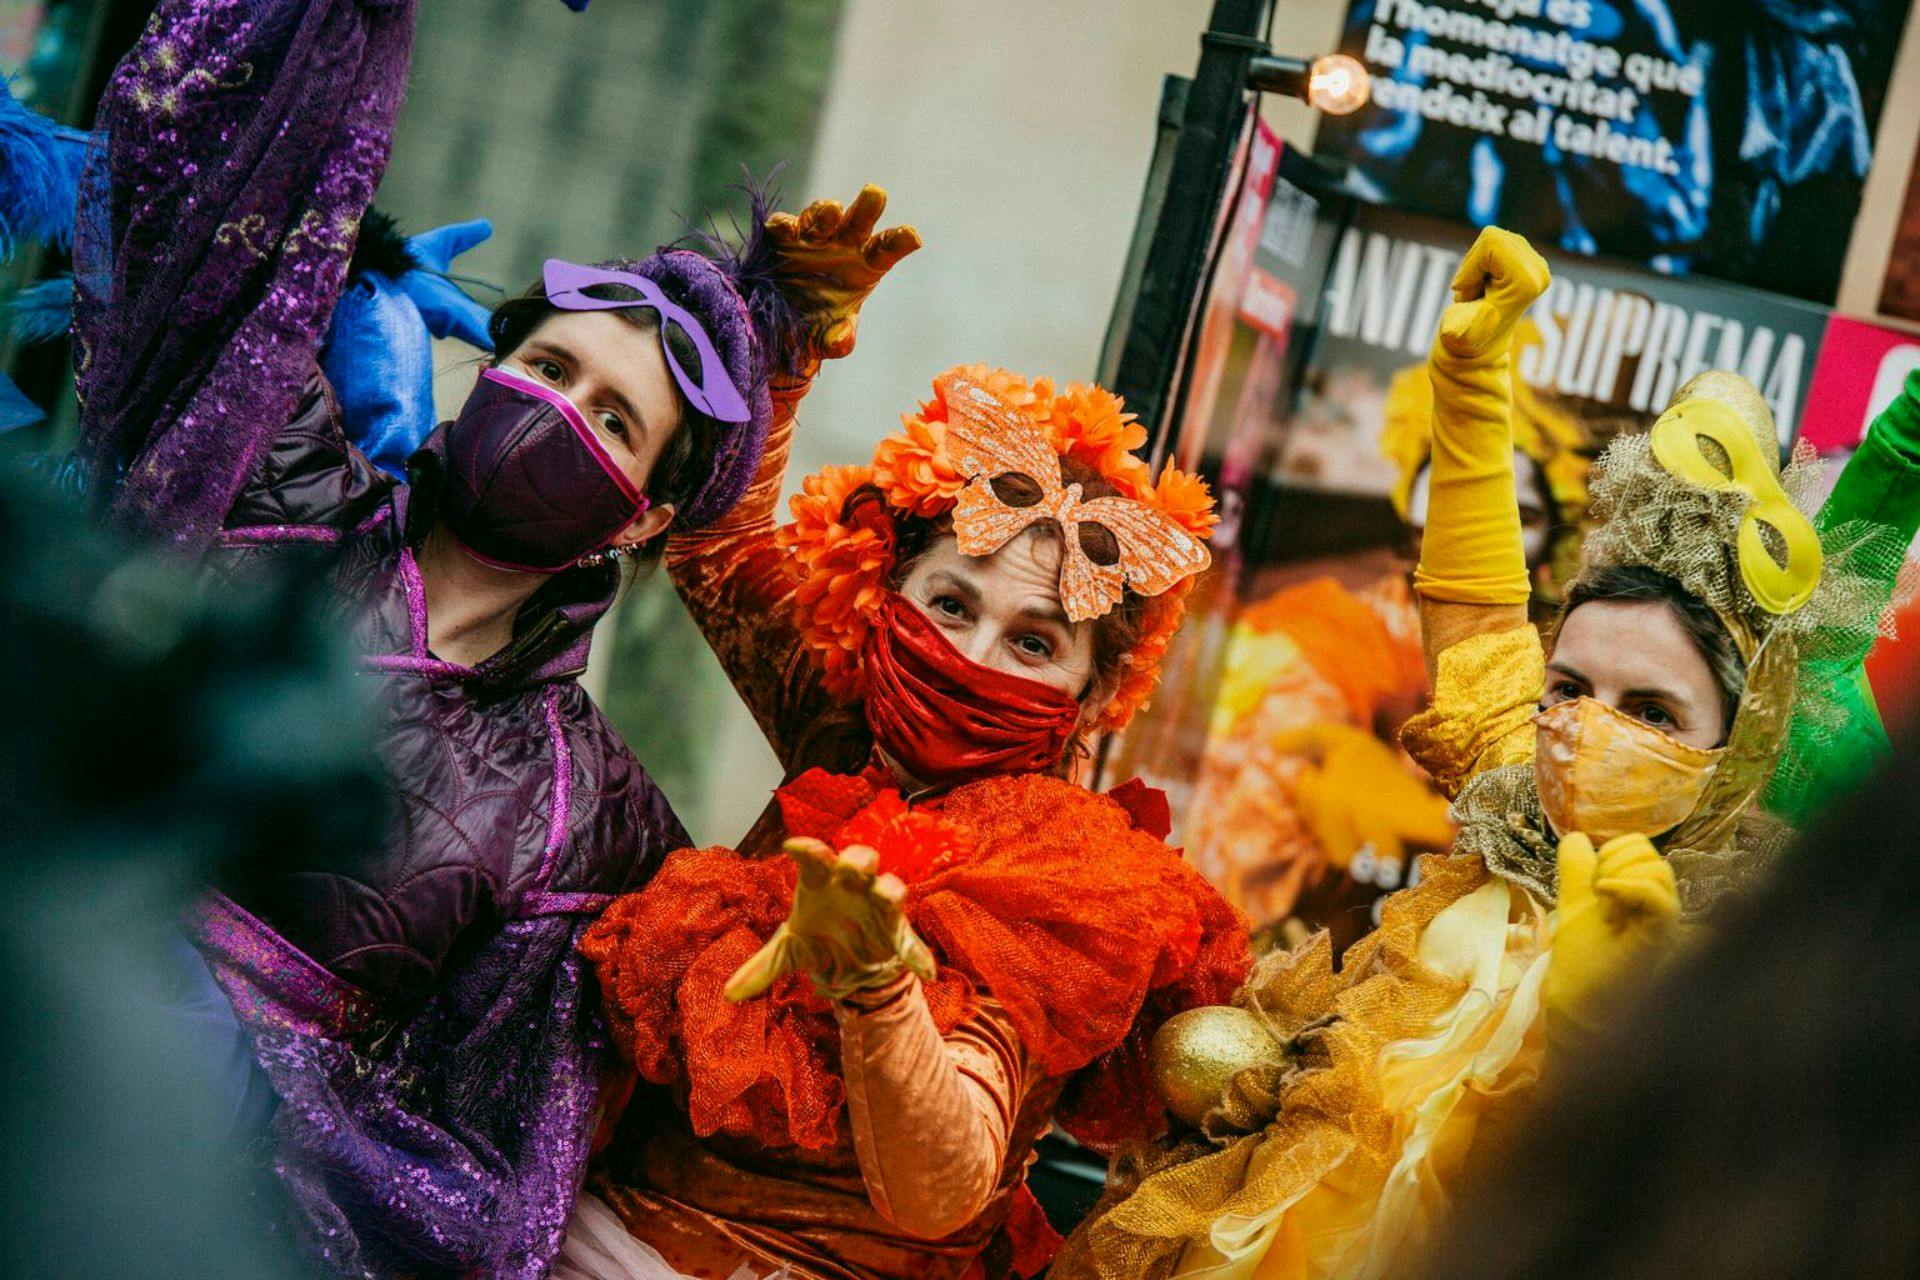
(732, 577)
(931, 1116)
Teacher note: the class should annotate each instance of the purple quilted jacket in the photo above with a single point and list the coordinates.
(435, 1044)
(514, 798)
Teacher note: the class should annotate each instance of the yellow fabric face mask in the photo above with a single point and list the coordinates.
(1602, 774)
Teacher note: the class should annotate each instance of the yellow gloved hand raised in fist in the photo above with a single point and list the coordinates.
(1619, 909)
(830, 259)
(844, 930)
(1472, 552)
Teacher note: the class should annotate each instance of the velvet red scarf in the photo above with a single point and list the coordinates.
(946, 719)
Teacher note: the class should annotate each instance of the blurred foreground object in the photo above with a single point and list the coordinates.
(157, 736)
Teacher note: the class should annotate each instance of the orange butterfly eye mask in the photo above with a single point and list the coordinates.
(988, 439)
(1776, 586)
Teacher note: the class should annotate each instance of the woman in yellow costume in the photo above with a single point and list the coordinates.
(1606, 795)
(1305, 814)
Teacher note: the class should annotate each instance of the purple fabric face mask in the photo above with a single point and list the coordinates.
(529, 486)
(709, 390)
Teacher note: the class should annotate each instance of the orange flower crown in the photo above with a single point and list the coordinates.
(840, 550)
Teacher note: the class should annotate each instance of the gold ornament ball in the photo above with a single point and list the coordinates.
(1196, 1053)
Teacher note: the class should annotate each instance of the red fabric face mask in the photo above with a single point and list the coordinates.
(946, 719)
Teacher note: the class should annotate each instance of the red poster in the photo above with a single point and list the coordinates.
(1859, 372)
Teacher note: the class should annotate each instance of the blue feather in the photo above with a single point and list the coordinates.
(40, 164)
(39, 313)
(16, 410)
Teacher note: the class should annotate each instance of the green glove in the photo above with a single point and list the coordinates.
(1826, 758)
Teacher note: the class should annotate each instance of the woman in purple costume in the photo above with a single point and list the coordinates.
(431, 1040)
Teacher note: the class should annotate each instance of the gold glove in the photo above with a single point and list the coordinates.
(845, 929)
(1471, 552)
(1358, 794)
(1618, 910)
(830, 259)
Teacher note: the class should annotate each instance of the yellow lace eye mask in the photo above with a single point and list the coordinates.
(1777, 587)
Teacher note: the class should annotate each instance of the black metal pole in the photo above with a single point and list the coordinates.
(1216, 107)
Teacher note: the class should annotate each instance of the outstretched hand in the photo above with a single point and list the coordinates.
(845, 929)
(1497, 281)
(831, 258)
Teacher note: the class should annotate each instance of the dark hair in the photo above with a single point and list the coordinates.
(1637, 583)
(689, 454)
(1115, 632)
(1752, 1115)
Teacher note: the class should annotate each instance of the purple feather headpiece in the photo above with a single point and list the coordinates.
(756, 331)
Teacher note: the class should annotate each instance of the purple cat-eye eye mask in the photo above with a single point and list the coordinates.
(711, 392)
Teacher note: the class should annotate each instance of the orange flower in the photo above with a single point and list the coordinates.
(911, 842)
(914, 471)
(1164, 613)
(1005, 384)
(1187, 499)
(839, 560)
(1090, 423)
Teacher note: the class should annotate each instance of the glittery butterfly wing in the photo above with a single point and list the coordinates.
(1156, 552)
(986, 438)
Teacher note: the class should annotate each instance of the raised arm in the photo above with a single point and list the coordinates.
(732, 578)
(730, 573)
(1874, 505)
(243, 140)
(1472, 576)
(1482, 657)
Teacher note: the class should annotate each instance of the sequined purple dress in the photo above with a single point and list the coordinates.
(433, 1040)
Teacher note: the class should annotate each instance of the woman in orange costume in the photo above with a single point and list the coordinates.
(847, 1053)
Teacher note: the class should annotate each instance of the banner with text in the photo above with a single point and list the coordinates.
(1729, 137)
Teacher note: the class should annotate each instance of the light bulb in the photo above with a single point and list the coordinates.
(1338, 85)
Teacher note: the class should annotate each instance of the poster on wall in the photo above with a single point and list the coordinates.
(1289, 788)
(1860, 370)
(1285, 222)
(1725, 137)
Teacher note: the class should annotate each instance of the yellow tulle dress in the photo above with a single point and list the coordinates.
(1400, 1059)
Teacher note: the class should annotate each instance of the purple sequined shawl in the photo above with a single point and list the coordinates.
(245, 140)
(455, 1149)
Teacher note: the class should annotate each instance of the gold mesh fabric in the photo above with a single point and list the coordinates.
(1501, 823)
(1328, 1136)
(1485, 692)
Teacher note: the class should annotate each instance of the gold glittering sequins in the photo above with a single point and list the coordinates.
(243, 232)
(315, 231)
(160, 64)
